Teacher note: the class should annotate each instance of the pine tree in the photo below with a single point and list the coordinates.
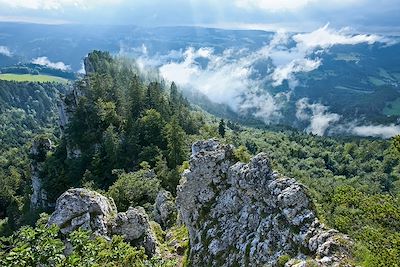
(174, 95)
(175, 137)
(135, 97)
(221, 128)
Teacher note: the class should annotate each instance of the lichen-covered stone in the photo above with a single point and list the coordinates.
(164, 209)
(248, 215)
(89, 210)
(134, 226)
(83, 208)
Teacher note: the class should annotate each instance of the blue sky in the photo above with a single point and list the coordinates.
(296, 15)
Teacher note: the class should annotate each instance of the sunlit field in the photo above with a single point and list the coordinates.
(31, 78)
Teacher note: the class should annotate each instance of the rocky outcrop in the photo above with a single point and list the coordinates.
(83, 208)
(89, 68)
(247, 215)
(164, 209)
(135, 227)
(89, 210)
(38, 152)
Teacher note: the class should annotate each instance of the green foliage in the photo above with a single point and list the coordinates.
(221, 128)
(42, 246)
(122, 120)
(119, 120)
(175, 137)
(135, 189)
(32, 247)
(282, 260)
(242, 154)
(35, 77)
(26, 110)
(396, 142)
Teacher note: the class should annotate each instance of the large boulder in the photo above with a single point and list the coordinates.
(82, 208)
(247, 215)
(89, 210)
(165, 209)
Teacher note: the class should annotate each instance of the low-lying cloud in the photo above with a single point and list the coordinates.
(226, 79)
(305, 55)
(233, 76)
(326, 37)
(383, 131)
(44, 61)
(5, 51)
(317, 115)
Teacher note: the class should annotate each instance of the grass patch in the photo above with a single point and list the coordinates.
(31, 78)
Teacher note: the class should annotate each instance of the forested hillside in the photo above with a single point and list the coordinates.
(126, 127)
(119, 122)
(26, 111)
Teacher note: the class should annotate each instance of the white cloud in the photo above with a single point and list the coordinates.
(294, 5)
(317, 114)
(288, 71)
(56, 4)
(44, 61)
(5, 51)
(326, 37)
(225, 79)
(82, 69)
(231, 78)
(273, 5)
(303, 57)
(383, 131)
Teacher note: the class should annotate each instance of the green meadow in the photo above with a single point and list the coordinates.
(31, 78)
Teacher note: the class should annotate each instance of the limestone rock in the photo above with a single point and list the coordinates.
(83, 208)
(89, 210)
(38, 153)
(164, 209)
(89, 68)
(246, 214)
(134, 226)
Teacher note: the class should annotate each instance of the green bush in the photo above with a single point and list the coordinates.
(135, 189)
(42, 246)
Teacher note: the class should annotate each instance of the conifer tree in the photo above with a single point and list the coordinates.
(175, 136)
(221, 128)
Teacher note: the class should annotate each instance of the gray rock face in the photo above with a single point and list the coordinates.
(164, 209)
(38, 152)
(246, 214)
(88, 66)
(66, 108)
(83, 208)
(89, 210)
(134, 226)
